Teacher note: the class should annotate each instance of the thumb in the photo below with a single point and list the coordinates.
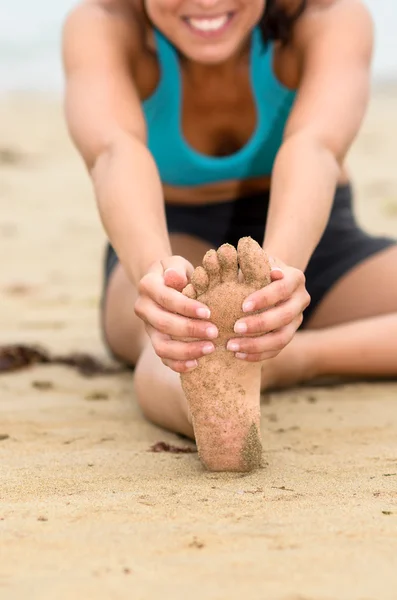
(276, 272)
(177, 272)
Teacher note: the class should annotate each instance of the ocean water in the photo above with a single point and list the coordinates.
(30, 42)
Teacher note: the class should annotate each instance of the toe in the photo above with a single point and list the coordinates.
(227, 257)
(212, 267)
(190, 292)
(200, 280)
(253, 262)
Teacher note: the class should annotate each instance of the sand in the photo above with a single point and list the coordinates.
(86, 511)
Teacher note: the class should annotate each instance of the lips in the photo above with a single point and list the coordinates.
(209, 25)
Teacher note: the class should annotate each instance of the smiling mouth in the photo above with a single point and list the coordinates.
(209, 25)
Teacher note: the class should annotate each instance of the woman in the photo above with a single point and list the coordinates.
(202, 122)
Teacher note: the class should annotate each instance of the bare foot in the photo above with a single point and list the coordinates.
(223, 392)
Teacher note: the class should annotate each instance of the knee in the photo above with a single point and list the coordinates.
(123, 337)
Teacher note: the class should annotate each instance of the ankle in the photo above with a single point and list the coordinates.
(295, 365)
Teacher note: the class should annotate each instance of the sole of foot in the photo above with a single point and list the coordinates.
(223, 392)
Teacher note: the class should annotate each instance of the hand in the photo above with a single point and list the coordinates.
(282, 302)
(168, 314)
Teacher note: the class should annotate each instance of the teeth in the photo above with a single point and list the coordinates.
(208, 24)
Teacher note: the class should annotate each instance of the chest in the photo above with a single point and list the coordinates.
(219, 117)
(218, 111)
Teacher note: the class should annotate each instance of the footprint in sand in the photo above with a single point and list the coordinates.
(223, 392)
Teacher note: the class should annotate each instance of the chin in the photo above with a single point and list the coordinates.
(211, 54)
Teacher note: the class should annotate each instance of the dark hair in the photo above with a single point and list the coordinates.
(277, 22)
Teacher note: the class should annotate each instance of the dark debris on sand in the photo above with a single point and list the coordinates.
(165, 447)
(11, 156)
(21, 356)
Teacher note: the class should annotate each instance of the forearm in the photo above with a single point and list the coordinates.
(304, 179)
(131, 206)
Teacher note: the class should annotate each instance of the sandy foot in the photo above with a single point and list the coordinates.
(223, 392)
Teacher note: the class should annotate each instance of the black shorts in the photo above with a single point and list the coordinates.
(343, 246)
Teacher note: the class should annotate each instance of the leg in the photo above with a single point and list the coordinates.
(352, 333)
(223, 394)
(158, 389)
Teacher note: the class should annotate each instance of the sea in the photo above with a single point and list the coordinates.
(30, 32)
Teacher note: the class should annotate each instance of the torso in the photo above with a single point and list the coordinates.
(224, 108)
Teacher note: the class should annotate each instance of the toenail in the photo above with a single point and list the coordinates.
(240, 328)
(212, 332)
(233, 346)
(241, 355)
(203, 313)
(248, 306)
(208, 348)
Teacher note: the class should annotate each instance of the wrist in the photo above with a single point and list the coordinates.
(279, 256)
(144, 261)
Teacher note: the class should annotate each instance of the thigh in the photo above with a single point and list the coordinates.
(367, 290)
(124, 333)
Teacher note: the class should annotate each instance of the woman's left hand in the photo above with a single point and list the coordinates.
(282, 302)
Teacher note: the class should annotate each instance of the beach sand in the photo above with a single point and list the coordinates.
(86, 510)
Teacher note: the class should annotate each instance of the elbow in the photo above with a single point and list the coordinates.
(121, 146)
(318, 149)
(98, 162)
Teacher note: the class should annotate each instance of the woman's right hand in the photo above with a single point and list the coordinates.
(172, 318)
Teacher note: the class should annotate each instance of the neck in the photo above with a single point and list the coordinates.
(199, 72)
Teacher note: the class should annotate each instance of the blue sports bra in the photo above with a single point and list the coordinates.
(181, 165)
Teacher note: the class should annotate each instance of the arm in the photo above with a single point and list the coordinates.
(336, 48)
(105, 120)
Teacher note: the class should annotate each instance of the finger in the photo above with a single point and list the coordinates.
(181, 366)
(269, 343)
(276, 274)
(178, 326)
(278, 291)
(256, 357)
(174, 279)
(180, 267)
(170, 299)
(167, 348)
(273, 318)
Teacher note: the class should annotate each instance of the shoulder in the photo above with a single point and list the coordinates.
(328, 30)
(118, 26)
(321, 16)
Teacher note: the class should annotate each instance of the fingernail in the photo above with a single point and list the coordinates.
(277, 269)
(208, 348)
(248, 306)
(191, 364)
(212, 332)
(203, 313)
(240, 328)
(233, 346)
(171, 270)
(241, 355)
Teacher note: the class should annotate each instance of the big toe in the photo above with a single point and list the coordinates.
(253, 262)
(227, 257)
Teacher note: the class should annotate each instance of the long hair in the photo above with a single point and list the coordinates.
(277, 23)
